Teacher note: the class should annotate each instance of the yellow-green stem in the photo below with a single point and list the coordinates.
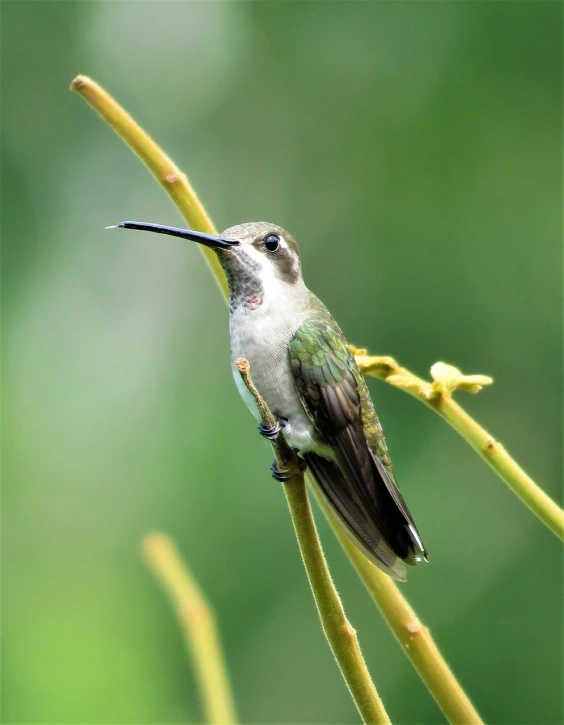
(340, 634)
(166, 172)
(198, 625)
(414, 638)
(495, 455)
(503, 464)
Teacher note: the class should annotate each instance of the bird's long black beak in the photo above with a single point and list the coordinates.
(208, 240)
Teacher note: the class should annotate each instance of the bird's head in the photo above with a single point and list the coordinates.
(259, 258)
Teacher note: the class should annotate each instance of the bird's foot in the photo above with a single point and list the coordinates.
(283, 476)
(278, 475)
(270, 434)
(301, 463)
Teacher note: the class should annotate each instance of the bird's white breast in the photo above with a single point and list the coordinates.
(262, 335)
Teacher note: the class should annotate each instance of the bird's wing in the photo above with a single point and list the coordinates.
(365, 496)
(335, 489)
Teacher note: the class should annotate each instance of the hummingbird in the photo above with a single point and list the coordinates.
(304, 369)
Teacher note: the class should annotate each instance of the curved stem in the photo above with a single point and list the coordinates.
(198, 624)
(340, 635)
(438, 397)
(165, 171)
(414, 638)
(503, 464)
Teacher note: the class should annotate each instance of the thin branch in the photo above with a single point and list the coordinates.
(198, 625)
(438, 397)
(414, 638)
(340, 634)
(165, 171)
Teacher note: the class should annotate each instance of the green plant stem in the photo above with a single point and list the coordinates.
(503, 464)
(340, 634)
(165, 171)
(198, 625)
(414, 638)
(495, 455)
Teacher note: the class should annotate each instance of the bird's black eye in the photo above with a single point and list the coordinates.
(272, 242)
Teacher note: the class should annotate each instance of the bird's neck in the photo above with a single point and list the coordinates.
(254, 287)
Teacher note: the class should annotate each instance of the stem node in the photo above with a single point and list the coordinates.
(173, 178)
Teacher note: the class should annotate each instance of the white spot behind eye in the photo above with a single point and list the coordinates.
(267, 271)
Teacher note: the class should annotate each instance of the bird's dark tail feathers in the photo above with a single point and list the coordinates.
(352, 516)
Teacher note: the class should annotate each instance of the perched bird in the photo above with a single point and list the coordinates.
(302, 367)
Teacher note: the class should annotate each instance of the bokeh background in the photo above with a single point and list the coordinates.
(414, 151)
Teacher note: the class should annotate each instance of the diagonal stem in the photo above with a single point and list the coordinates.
(503, 464)
(414, 638)
(165, 171)
(495, 455)
(340, 635)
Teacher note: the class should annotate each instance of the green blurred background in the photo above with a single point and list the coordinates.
(414, 150)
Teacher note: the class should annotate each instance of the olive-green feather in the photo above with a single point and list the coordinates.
(336, 398)
(325, 359)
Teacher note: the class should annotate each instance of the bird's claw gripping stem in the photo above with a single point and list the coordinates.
(283, 476)
(270, 434)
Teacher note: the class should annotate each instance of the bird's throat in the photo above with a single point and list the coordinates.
(243, 277)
